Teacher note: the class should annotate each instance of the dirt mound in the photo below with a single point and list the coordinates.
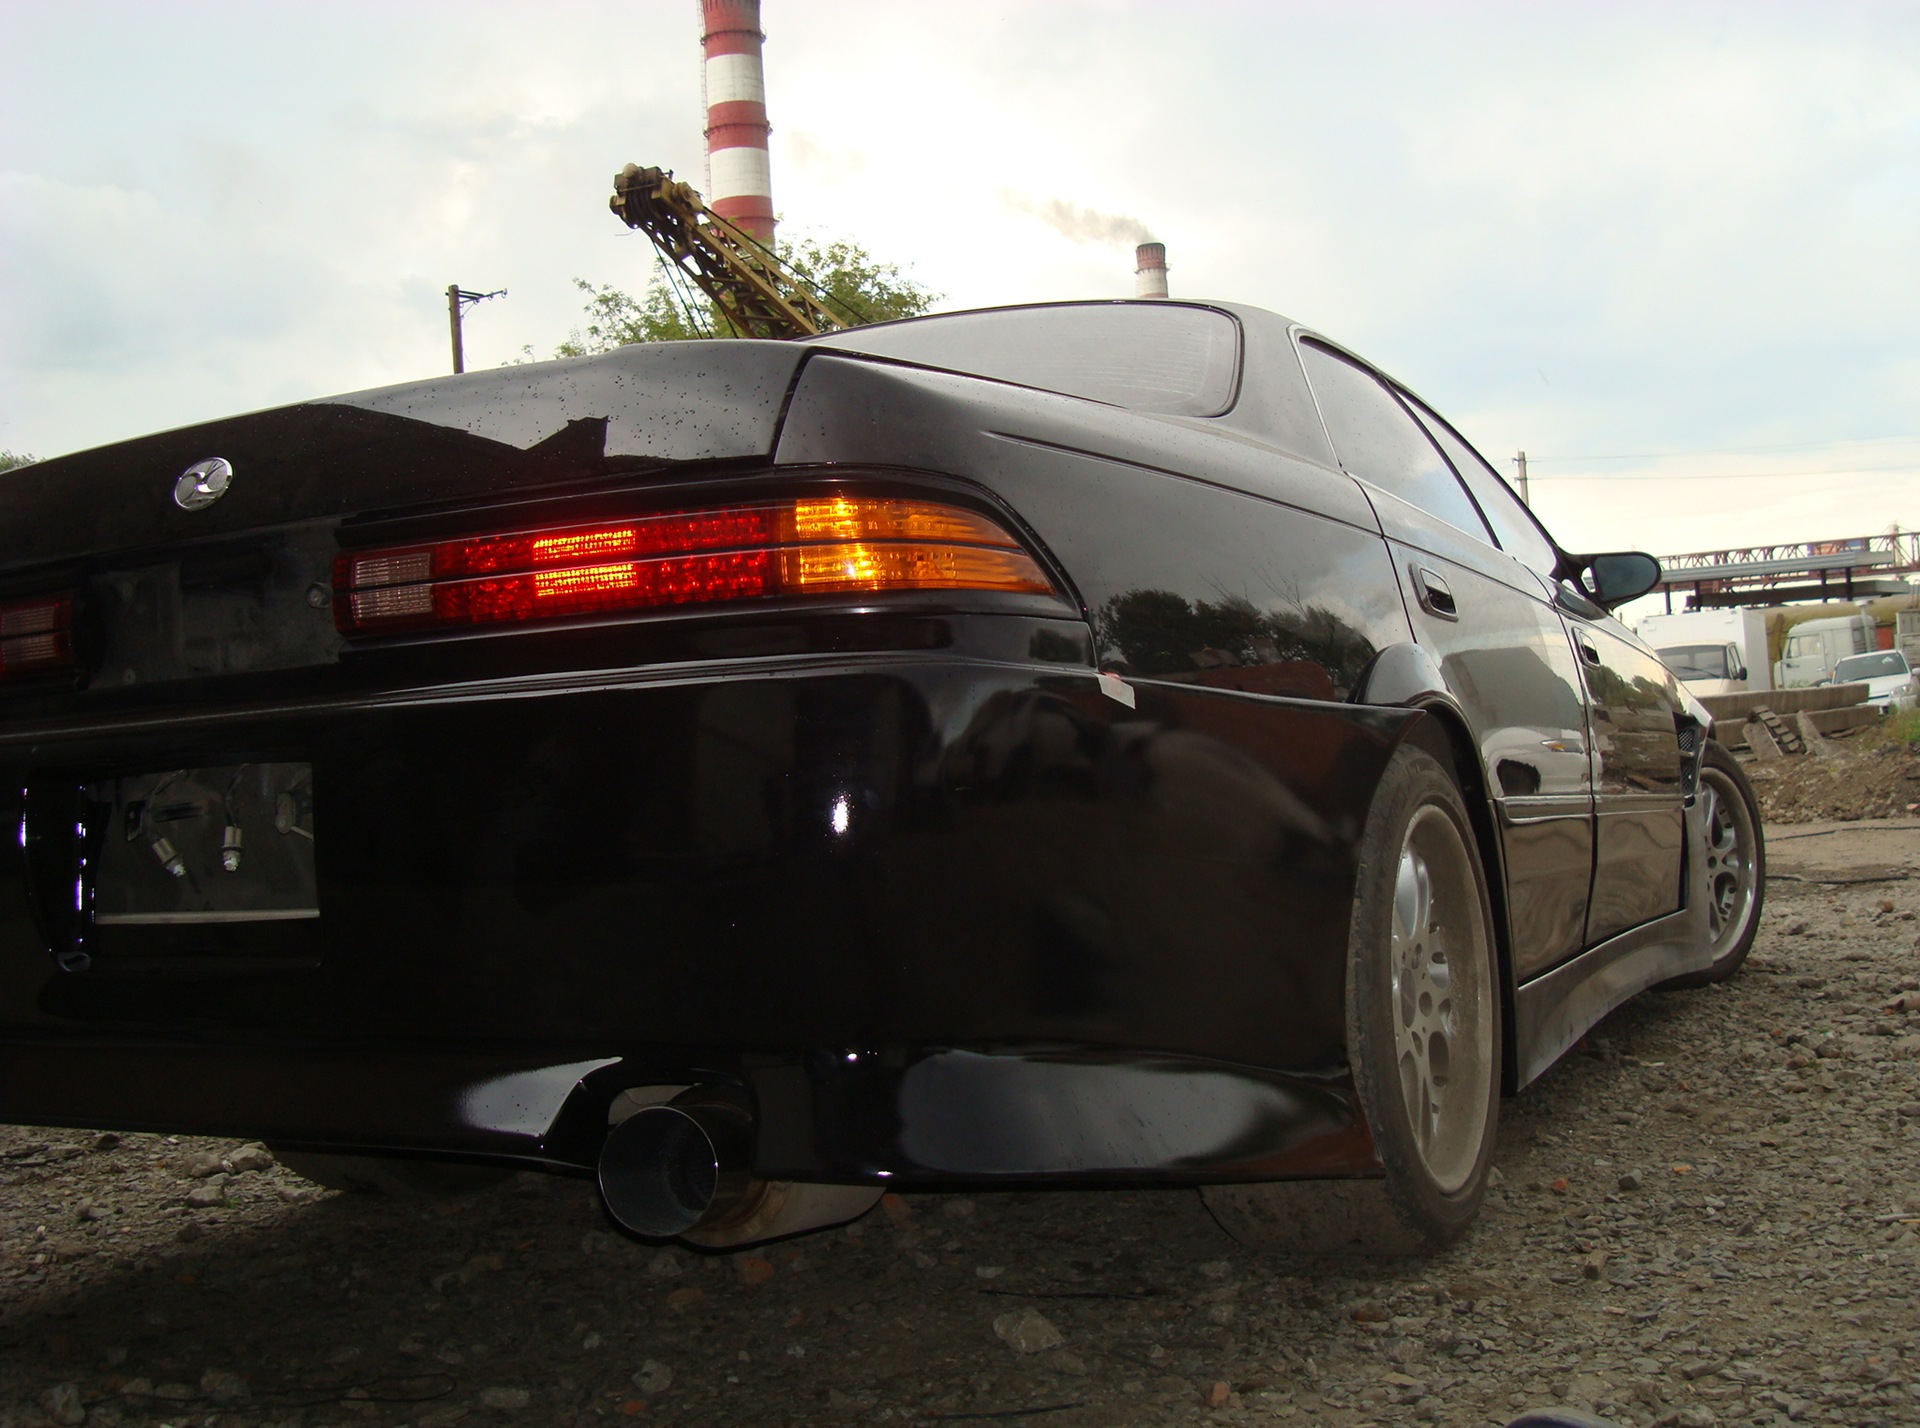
(1865, 776)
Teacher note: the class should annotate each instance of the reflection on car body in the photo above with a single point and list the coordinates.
(1042, 745)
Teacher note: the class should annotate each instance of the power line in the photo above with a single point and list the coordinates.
(1731, 450)
(1728, 476)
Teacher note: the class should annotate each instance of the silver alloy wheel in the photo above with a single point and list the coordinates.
(1442, 997)
(1730, 845)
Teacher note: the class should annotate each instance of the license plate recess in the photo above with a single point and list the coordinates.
(233, 843)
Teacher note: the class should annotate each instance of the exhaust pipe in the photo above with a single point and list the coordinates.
(668, 1169)
(679, 1167)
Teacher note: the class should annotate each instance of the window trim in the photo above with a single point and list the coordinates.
(1306, 337)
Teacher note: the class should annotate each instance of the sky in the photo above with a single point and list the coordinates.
(1669, 250)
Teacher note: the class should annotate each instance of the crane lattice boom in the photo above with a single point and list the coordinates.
(759, 294)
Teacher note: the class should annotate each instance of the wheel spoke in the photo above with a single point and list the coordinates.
(1438, 975)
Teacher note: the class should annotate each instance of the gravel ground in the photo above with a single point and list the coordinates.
(1870, 773)
(1708, 1214)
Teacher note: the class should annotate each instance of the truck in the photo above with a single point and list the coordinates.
(1814, 647)
(1906, 635)
(1713, 651)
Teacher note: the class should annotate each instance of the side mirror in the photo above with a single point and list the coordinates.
(1740, 671)
(1625, 575)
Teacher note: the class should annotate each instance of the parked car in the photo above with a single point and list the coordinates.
(1889, 678)
(1085, 743)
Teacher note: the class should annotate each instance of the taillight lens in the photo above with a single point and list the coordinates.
(834, 545)
(36, 637)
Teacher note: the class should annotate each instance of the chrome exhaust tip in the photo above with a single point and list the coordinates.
(665, 1170)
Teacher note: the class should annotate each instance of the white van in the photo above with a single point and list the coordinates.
(1714, 651)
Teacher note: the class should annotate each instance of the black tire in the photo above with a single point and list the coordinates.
(396, 1179)
(1736, 865)
(1423, 1036)
(1423, 999)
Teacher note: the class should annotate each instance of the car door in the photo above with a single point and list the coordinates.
(1633, 704)
(1502, 651)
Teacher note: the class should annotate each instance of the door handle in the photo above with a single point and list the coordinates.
(1587, 651)
(1436, 596)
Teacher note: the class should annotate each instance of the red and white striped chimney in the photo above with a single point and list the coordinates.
(1150, 270)
(739, 180)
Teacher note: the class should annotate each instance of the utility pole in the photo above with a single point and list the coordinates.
(458, 301)
(1519, 466)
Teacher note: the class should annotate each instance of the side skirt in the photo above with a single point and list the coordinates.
(1556, 1009)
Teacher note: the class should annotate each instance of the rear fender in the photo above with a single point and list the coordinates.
(1407, 676)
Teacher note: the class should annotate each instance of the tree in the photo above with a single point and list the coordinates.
(9, 460)
(848, 278)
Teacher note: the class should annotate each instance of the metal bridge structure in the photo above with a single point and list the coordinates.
(1854, 568)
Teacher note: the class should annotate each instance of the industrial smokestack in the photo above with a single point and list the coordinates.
(739, 180)
(1150, 270)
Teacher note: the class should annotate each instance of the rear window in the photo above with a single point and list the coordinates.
(1870, 666)
(1164, 358)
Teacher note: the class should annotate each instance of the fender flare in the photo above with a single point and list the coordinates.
(1407, 676)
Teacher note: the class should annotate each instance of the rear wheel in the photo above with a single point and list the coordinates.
(1736, 865)
(1423, 1026)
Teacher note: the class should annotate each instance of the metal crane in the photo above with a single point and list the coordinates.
(759, 295)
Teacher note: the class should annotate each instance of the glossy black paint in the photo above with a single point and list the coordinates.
(640, 409)
(902, 871)
(918, 856)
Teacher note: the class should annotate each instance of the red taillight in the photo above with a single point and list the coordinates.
(823, 545)
(36, 636)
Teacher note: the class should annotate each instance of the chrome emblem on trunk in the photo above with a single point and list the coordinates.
(203, 483)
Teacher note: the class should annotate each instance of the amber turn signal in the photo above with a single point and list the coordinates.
(831, 545)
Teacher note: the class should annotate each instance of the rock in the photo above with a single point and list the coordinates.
(1629, 1181)
(590, 1343)
(684, 1296)
(958, 1207)
(665, 1264)
(87, 1212)
(505, 1398)
(63, 1405)
(1216, 1395)
(1027, 1331)
(1068, 1363)
(250, 1157)
(1560, 1186)
(897, 1209)
(654, 1377)
(988, 1271)
(752, 1269)
(189, 1232)
(1216, 1269)
(210, 1192)
(106, 1140)
(201, 1164)
(1594, 1265)
(223, 1387)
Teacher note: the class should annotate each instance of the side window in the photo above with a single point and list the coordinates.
(1513, 525)
(1378, 442)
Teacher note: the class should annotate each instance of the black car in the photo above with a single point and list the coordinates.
(1094, 742)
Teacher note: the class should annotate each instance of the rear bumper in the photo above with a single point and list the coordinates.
(943, 919)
